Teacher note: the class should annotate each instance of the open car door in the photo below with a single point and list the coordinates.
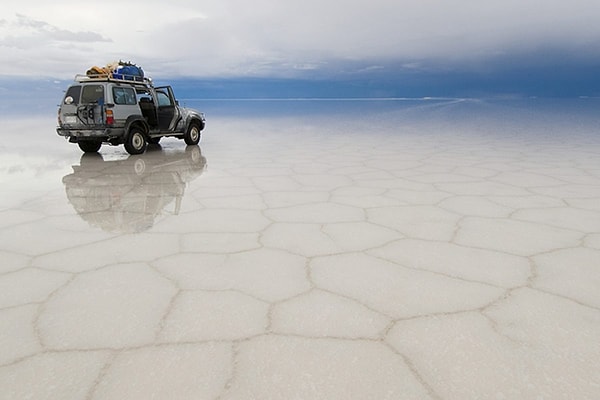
(168, 112)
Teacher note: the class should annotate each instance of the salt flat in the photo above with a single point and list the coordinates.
(426, 249)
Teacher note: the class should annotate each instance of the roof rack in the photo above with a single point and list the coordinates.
(131, 79)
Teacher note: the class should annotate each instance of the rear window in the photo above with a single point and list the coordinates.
(124, 95)
(92, 94)
(73, 92)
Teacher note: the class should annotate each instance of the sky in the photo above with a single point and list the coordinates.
(482, 42)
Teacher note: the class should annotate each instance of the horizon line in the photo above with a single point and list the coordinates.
(425, 98)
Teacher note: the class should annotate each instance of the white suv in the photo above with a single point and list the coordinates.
(97, 110)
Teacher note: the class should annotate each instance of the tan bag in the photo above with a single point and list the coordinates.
(96, 72)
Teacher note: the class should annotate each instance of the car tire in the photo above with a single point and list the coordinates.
(193, 134)
(136, 141)
(89, 146)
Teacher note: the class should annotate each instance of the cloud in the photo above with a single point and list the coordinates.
(26, 32)
(33, 46)
(297, 37)
(266, 37)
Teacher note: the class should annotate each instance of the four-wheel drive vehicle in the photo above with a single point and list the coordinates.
(101, 109)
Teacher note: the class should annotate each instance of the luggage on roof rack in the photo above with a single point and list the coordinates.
(129, 72)
(121, 71)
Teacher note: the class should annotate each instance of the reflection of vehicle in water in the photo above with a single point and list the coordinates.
(127, 195)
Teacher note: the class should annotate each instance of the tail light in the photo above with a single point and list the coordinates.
(110, 119)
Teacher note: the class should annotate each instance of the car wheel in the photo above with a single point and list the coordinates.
(89, 146)
(192, 136)
(136, 141)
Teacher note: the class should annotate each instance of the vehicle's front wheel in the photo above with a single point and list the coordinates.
(136, 141)
(89, 146)
(192, 136)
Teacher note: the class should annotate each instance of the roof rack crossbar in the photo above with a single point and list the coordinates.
(132, 79)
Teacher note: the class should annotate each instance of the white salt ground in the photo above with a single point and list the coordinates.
(435, 249)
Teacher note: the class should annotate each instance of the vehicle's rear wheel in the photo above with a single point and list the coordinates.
(136, 141)
(89, 146)
(192, 136)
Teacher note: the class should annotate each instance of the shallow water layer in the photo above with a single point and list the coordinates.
(424, 249)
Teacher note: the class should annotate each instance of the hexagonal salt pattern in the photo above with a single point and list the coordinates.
(432, 249)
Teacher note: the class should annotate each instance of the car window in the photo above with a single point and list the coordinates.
(92, 94)
(124, 95)
(73, 92)
(163, 99)
(142, 94)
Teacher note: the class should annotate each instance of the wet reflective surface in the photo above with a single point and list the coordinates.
(430, 250)
(129, 194)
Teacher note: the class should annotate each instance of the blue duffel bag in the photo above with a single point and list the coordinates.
(129, 73)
